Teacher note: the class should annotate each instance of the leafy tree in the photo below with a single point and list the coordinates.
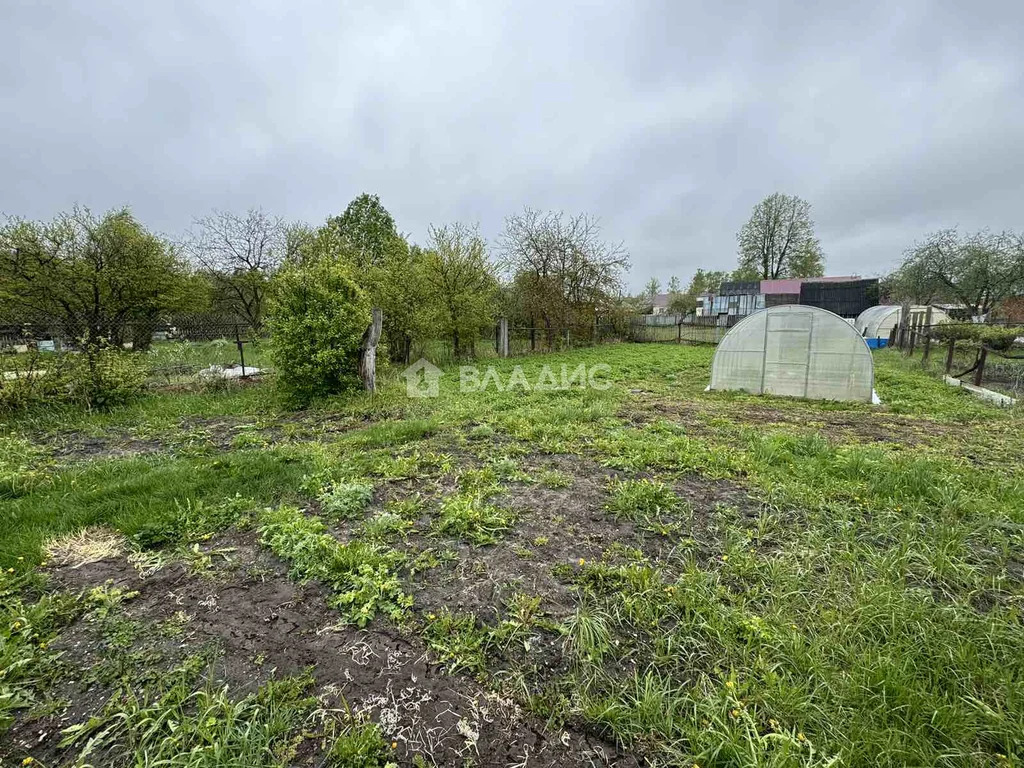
(100, 278)
(391, 273)
(652, 289)
(977, 270)
(778, 240)
(462, 286)
(563, 270)
(706, 281)
(673, 285)
(369, 230)
(239, 255)
(316, 314)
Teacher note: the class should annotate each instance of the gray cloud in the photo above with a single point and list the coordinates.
(669, 122)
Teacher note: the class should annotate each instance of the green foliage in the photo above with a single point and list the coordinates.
(317, 316)
(194, 521)
(27, 665)
(99, 377)
(95, 276)
(360, 745)
(642, 500)
(998, 337)
(468, 516)
(458, 640)
(175, 724)
(346, 500)
(778, 240)
(368, 231)
(462, 284)
(362, 575)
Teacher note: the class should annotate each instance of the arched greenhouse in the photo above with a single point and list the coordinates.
(876, 323)
(796, 351)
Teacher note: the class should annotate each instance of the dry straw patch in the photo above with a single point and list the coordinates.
(89, 545)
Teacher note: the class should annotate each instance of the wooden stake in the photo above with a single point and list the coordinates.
(927, 336)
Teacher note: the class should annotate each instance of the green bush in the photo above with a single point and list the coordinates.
(317, 316)
(998, 337)
(99, 378)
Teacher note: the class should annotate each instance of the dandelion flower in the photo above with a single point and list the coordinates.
(583, 561)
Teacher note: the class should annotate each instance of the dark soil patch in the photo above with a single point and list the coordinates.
(264, 625)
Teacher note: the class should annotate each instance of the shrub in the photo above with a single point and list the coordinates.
(100, 378)
(317, 316)
(998, 337)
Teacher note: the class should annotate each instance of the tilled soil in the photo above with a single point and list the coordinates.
(264, 625)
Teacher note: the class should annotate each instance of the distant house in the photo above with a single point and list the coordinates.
(660, 304)
(846, 296)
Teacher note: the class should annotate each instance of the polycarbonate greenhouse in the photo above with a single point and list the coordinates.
(876, 323)
(795, 351)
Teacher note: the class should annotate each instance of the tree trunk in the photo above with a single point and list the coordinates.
(368, 351)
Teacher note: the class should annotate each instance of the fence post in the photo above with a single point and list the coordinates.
(904, 321)
(949, 355)
(503, 337)
(241, 351)
(927, 336)
(979, 372)
(566, 337)
(368, 351)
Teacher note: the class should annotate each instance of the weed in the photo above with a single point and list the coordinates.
(346, 500)
(468, 516)
(362, 575)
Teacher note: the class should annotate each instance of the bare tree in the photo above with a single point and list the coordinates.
(778, 240)
(564, 270)
(239, 254)
(977, 270)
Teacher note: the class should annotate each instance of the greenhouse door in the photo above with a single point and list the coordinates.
(787, 353)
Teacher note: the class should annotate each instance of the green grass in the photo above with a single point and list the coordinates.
(857, 598)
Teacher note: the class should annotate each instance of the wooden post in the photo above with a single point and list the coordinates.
(949, 355)
(368, 351)
(533, 337)
(566, 337)
(904, 321)
(979, 372)
(893, 335)
(503, 337)
(241, 350)
(912, 341)
(927, 336)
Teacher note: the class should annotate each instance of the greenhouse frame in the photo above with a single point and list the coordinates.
(795, 351)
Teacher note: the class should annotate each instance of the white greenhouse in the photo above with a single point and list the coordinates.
(876, 323)
(795, 351)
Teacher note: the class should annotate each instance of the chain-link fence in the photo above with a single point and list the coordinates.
(173, 353)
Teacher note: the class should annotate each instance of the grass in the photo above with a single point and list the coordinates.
(856, 600)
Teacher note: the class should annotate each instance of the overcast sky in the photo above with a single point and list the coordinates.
(669, 121)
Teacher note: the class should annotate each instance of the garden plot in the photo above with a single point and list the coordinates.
(647, 575)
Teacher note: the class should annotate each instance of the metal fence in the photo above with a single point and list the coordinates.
(174, 352)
